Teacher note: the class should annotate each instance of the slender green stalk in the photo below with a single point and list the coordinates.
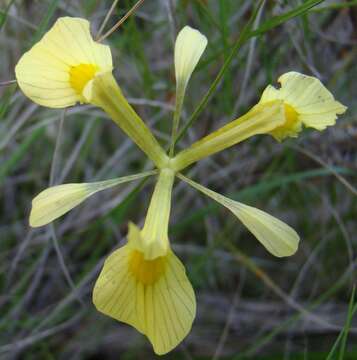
(335, 6)
(106, 184)
(180, 95)
(351, 311)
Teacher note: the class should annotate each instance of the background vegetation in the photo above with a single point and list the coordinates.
(250, 305)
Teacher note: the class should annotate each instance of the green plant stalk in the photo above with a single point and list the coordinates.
(180, 95)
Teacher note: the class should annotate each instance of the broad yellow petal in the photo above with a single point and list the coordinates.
(55, 201)
(154, 296)
(276, 236)
(189, 47)
(55, 71)
(307, 101)
(308, 95)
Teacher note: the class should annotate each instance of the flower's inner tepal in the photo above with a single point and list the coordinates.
(79, 76)
(146, 271)
(292, 125)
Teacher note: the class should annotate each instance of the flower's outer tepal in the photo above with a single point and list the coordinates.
(276, 236)
(259, 120)
(307, 102)
(144, 284)
(55, 201)
(56, 70)
(67, 66)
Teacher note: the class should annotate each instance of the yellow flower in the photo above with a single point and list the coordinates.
(307, 102)
(67, 66)
(144, 284)
(56, 71)
(154, 296)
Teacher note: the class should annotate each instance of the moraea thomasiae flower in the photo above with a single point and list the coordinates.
(143, 283)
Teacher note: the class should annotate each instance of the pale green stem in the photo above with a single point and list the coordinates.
(155, 230)
(180, 95)
(106, 184)
(108, 96)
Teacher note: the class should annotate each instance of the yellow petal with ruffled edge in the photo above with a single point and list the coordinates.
(55, 201)
(189, 47)
(307, 102)
(154, 296)
(276, 236)
(56, 70)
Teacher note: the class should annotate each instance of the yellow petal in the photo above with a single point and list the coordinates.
(189, 47)
(54, 71)
(153, 240)
(103, 91)
(307, 102)
(154, 296)
(276, 236)
(261, 119)
(55, 201)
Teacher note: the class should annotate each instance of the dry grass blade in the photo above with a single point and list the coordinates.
(8, 82)
(121, 21)
(106, 19)
(314, 157)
